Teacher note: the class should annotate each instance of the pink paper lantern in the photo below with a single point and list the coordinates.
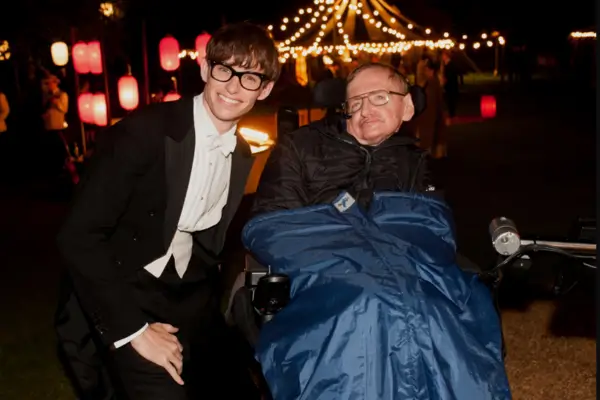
(85, 105)
(169, 53)
(129, 97)
(81, 59)
(171, 96)
(201, 43)
(100, 111)
(95, 57)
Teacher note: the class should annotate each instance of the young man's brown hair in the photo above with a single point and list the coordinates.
(250, 46)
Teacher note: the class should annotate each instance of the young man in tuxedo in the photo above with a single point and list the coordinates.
(144, 234)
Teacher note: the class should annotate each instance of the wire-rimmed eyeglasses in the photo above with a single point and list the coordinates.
(249, 80)
(377, 98)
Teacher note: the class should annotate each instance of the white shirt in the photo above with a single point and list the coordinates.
(206, 194)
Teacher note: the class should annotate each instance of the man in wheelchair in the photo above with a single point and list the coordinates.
(362, 296)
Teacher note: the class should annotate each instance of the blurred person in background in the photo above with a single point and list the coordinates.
(4, 111)
(430, 124)
(450, 81)
(55, 103)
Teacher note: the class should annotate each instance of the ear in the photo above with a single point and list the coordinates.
(409, 108)
(204, 70)
(266, 90)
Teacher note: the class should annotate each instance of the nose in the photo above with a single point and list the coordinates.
(234, 85)
(366, 108)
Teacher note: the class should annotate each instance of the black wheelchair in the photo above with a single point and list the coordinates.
(258, 294)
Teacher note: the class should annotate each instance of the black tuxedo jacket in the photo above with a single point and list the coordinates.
(127, 208)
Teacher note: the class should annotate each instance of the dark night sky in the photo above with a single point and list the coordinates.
(185, 19)
(538, 19)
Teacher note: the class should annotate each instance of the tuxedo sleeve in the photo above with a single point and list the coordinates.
(123, 154)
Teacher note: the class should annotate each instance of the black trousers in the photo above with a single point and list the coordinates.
(215, 360)
(80, 350)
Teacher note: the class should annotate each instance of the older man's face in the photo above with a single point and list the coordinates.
(371, 124)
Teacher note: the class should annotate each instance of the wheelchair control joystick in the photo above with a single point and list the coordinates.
(272, 293)
(505, 236)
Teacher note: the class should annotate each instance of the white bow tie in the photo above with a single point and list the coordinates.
(226, 143)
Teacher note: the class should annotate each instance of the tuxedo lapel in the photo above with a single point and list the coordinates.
(179, 158)
(180, 141)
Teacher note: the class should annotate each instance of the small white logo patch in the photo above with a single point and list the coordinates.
(344, 203)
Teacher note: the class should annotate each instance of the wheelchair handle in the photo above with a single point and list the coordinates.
(567, 246)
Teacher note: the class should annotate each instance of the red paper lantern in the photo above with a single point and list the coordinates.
(201, 42)
(129, 97)
(99, 106)
(169, 53)
(85, 104)
(81, 60)
(95, 57)
(488, 106)
(171, 96)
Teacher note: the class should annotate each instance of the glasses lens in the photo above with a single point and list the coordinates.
(250, 81)
(221, 73)
(353, 105)
(379, 98)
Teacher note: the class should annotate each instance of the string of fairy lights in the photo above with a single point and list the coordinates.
(344, 50)
(339, 17)
(583, 35)
(396, 33)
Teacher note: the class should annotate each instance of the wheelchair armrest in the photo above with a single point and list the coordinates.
(253, 271)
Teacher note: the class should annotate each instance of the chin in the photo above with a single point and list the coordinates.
(374, 139)
(229, 116)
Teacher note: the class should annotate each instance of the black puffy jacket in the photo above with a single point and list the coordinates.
(313, 164)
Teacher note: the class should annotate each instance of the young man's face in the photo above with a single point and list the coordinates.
(230, 97)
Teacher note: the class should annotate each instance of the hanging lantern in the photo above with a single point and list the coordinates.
(488, 106)
(169, 53)
(81, 60)
(129, 97)
(99, 106)
(60, 53)
(201, 42)
(95, 57)
(85, 104)
(171, 96)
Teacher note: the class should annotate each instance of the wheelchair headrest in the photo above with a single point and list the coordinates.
(329, 93)
(287, 120)
(419, 99)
